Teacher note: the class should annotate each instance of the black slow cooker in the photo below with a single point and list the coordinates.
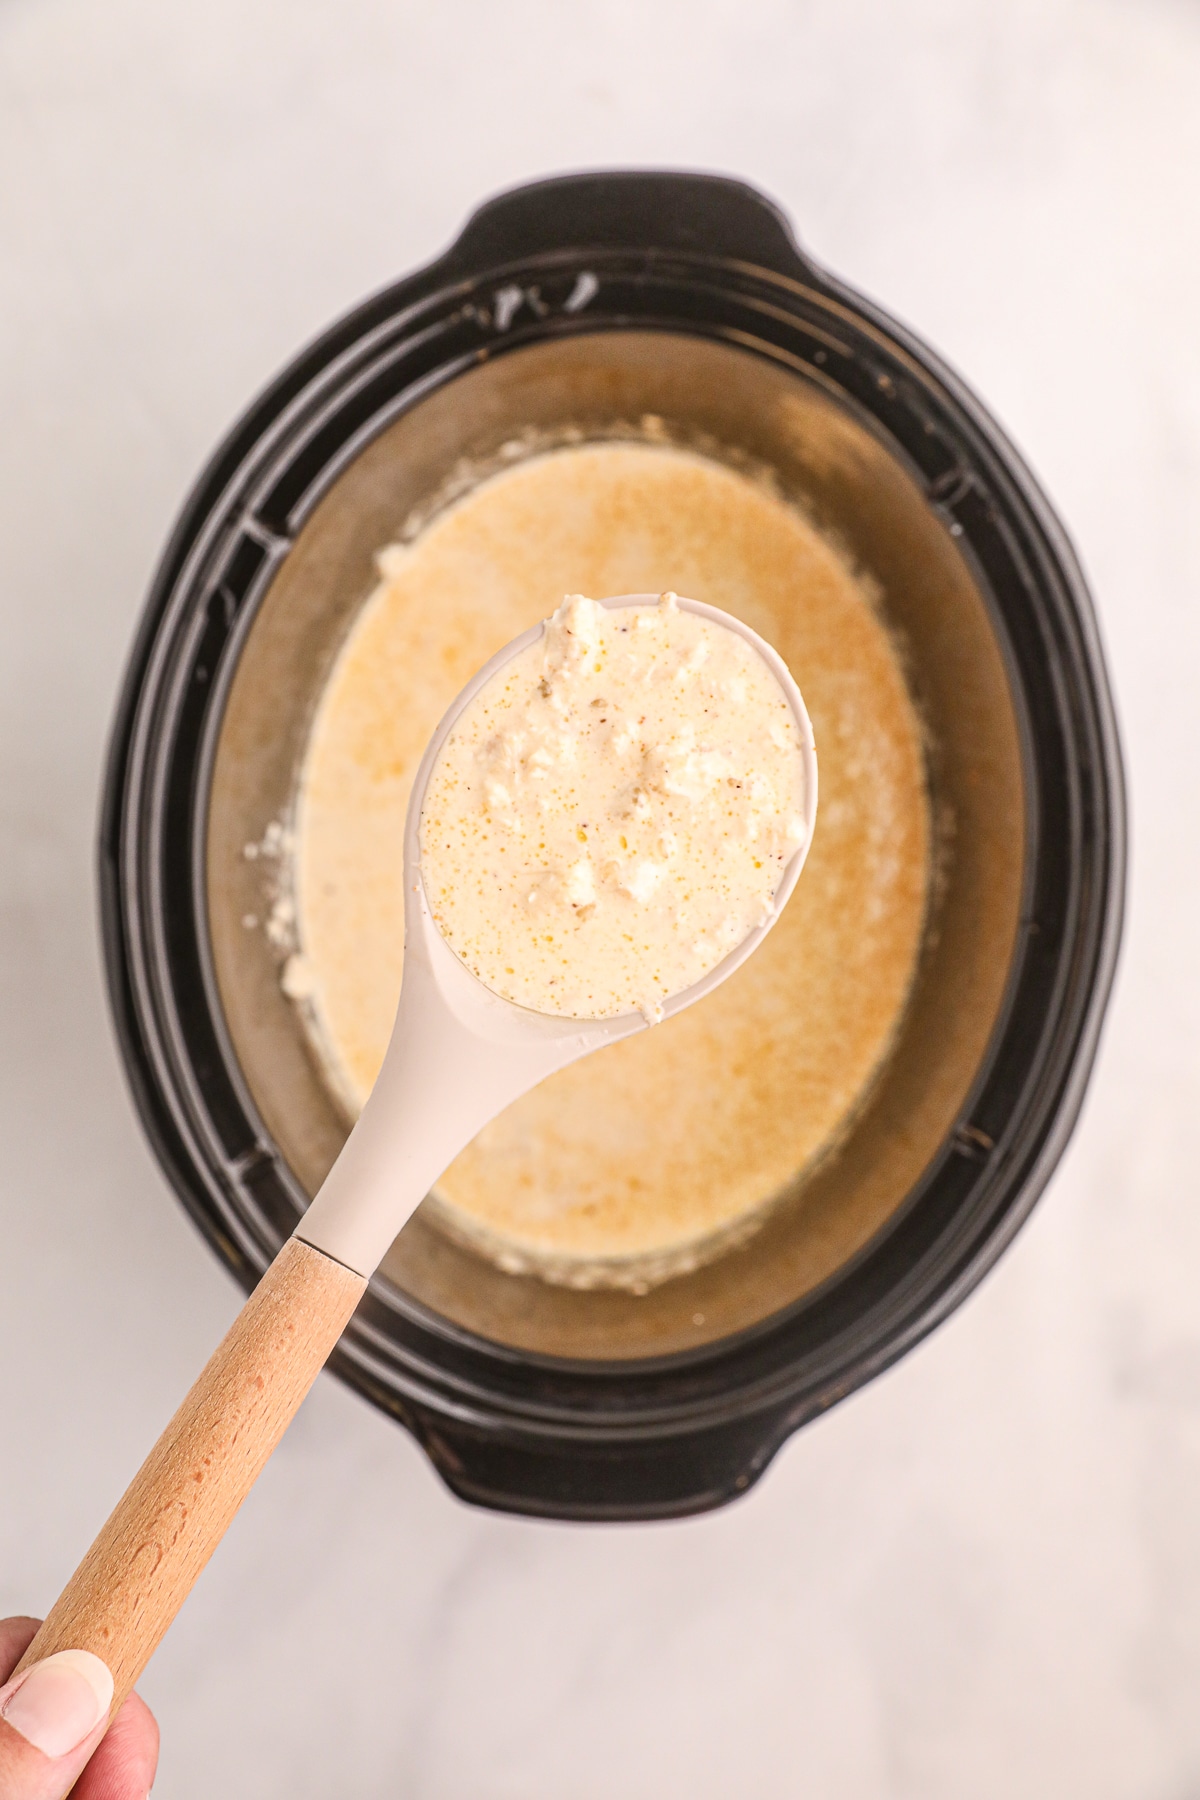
(574, 308)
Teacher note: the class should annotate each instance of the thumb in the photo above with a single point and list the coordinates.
(52, 1716)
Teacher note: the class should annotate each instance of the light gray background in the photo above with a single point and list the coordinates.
(981, 1576)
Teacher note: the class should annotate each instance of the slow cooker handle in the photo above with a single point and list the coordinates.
(646, 210)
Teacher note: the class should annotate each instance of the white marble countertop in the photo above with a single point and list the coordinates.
(980, 1576)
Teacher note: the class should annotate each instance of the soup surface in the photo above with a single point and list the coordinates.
(649, 1156)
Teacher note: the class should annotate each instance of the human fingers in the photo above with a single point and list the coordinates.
(52, 1717)
(123, 1767)
(16, 1635)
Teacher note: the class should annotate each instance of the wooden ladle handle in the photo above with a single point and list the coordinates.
(141, 1568)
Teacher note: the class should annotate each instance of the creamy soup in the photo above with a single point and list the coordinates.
(612, 814)
(647, 1157)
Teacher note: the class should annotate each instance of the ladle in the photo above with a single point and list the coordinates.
(458, 1055)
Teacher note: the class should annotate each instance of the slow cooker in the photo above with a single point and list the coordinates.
(571, 309)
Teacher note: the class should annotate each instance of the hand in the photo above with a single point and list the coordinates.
(52, 1719)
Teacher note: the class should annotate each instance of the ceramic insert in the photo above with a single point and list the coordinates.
(646, 1158)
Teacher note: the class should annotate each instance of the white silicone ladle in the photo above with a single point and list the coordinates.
(458, 1055)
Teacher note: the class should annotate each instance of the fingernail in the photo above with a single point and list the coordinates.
(60, 1701)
